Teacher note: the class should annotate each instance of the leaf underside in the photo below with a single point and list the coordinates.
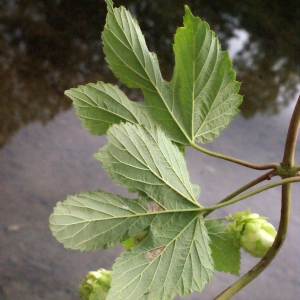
(97, 219)
(177, 246)
(173, 258)
(226, 256)
(181, 250)
(145, 160)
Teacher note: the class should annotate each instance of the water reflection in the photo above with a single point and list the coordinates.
(49, 46)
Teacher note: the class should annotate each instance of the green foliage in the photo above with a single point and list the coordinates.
(97, 219)
(101, 105)
(205, 84)
(198, 103)
(225, 255)
(178, 251)
(145, 160)
(173, 258)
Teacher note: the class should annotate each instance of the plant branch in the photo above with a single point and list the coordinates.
(235, 160)
(287, 168)
(251, 193)
(254, 182)
(291, 139)
(266, 260)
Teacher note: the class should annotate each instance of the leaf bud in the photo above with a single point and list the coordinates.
(251, 232)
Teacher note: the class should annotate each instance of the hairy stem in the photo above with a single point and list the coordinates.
(266, 260)
(249, 185)
(235, 160)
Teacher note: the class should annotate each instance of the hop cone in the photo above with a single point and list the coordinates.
(251, 232)
(95, 285)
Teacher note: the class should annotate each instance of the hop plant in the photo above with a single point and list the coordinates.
(95, 285)
(251, 232)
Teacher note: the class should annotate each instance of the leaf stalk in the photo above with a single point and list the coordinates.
(269, 166)
(249, 185)
(251, 193)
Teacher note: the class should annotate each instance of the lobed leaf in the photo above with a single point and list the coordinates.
(97, 219)
(173, 258)
(197, 104)
(129, 58)
(145, 160)
(180, 249)
(205, 83)
(142, 159)
(101, 105)
(227, 257)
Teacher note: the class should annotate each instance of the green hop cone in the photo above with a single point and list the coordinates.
(251, 232)
(95, 285)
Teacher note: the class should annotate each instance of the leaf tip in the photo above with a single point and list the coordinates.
(187, 10)
(110, 5)
(67, 92)
(188, 14)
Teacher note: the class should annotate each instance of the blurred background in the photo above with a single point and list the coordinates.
(49, 46)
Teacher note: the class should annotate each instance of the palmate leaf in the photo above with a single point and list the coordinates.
(175, 256)
(138, 158)
(197, 104)
(178, 253)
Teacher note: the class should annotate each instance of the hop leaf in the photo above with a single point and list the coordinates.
(198, 103)
(226, 256)
(174, 257)
(251, 232)
(170, 249)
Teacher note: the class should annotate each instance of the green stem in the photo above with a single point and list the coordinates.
(291, 139)
(254, 182)
(254, 192)
(266, 260)
(288, 165)
(235, 160)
